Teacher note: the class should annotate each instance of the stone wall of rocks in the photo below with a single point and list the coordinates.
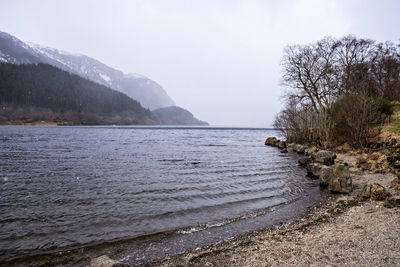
(320, 165)
(273, 141)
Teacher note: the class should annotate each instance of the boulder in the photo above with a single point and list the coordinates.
(284, 150)
(325, 157)
(271, 141)
(366, 193)
(314, 170)
(326, 174)
(340, 180)
(281, 144)
(299, 148)
(295, 147)
(375, 192)
(304, 161)
(105, 261)
(310, 151)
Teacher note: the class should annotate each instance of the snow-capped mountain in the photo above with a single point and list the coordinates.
(150, 94)
(13, 50)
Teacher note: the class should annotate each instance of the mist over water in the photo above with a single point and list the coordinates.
(69, 187)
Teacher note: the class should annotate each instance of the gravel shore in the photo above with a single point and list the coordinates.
(347, 230)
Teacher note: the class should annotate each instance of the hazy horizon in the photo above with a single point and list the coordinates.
(218, 59)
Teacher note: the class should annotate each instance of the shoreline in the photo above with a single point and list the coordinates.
(81, 256)
(41, 123)
(325, 220)
(150, 126)
(124, 250)
(346, 229)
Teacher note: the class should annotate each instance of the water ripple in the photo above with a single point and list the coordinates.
(68, 187)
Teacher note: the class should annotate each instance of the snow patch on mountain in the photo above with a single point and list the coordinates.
(3, 58)
(105, 77)
(135, 76)
(42, 49)
(149, 93)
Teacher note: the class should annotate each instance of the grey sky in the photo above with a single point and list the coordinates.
(219, 59)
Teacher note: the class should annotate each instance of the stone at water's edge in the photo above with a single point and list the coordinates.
(310, 151)
(105, 261)
(321, 165)
(271, 141)
(304, 161)
(314, 170)
(336, 177)
(299, 148)
(325, 157)
(281, 144)
(341, 181)
(326, 175)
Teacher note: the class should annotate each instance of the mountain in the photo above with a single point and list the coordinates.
(176, 116)
(150, 94)
(45, 93)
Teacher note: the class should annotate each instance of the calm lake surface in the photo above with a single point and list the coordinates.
(160, 191)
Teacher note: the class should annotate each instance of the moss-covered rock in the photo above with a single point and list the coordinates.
(375, 192)
(326, 174)
(325, 157)
(341, 181)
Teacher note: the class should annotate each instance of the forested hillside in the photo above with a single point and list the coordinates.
(43, 92)
(138, 87)
(176, 116)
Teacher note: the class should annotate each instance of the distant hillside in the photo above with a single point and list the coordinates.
(147, 92)
(138, 87)
(60, 95)
(176, 116)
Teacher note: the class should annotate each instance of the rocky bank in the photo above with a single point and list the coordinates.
(356, 227)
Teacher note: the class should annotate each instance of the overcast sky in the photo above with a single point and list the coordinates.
(218, 59)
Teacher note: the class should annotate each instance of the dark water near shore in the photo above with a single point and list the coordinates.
(162, 190)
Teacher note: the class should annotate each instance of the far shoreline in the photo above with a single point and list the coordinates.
(143, 126)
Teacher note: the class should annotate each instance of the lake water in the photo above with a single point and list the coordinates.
(141, 193)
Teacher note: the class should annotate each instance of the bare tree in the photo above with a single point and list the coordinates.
(353, 55)
(310, 73)
(317, 75)
(386, 71)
